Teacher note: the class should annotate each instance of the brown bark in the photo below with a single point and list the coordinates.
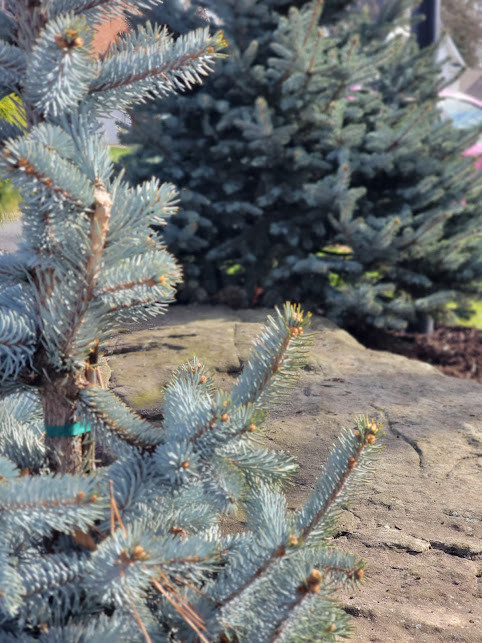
(60, 393)
(76, 453)
(94, 378)
(64, 454)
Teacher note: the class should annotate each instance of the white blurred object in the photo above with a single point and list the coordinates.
(110, 127)
(10, 234)
(451, 59)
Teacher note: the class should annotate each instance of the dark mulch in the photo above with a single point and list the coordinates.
(455, 350)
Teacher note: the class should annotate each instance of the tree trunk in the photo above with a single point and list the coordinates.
(64, 454)
(60, 391)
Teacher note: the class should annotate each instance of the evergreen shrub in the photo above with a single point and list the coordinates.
(315, 166)
(110, 524)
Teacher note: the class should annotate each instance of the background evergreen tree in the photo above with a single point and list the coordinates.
(316, 166)
(110, 524)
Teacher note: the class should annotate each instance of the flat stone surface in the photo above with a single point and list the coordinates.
(418, 523)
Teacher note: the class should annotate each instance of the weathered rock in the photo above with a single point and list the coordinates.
(418, 524)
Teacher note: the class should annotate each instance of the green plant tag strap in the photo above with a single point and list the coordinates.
(66, 430)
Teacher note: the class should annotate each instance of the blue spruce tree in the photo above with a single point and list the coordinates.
(315, 166)
(110, 524)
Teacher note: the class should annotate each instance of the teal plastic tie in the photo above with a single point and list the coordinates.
(66, 430)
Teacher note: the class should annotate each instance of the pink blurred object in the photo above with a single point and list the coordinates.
(460, 96)
(475, 150)
(356, 88)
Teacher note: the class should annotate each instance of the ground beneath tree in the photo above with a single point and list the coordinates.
(455, 350)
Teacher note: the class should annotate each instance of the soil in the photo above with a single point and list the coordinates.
(455, 350)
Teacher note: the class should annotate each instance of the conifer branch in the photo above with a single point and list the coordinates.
(338, 489)
(365, 438)
(22, 164)
(284, 339)
(160, 67)
(114, 511)
(138, 618)
(303, 594)
(275, 557)
(112, 8)
(406, 130)
(126, 285)
(107, 412)
(315, 17)
(188, 614)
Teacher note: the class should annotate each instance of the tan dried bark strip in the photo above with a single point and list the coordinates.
(60, 395)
